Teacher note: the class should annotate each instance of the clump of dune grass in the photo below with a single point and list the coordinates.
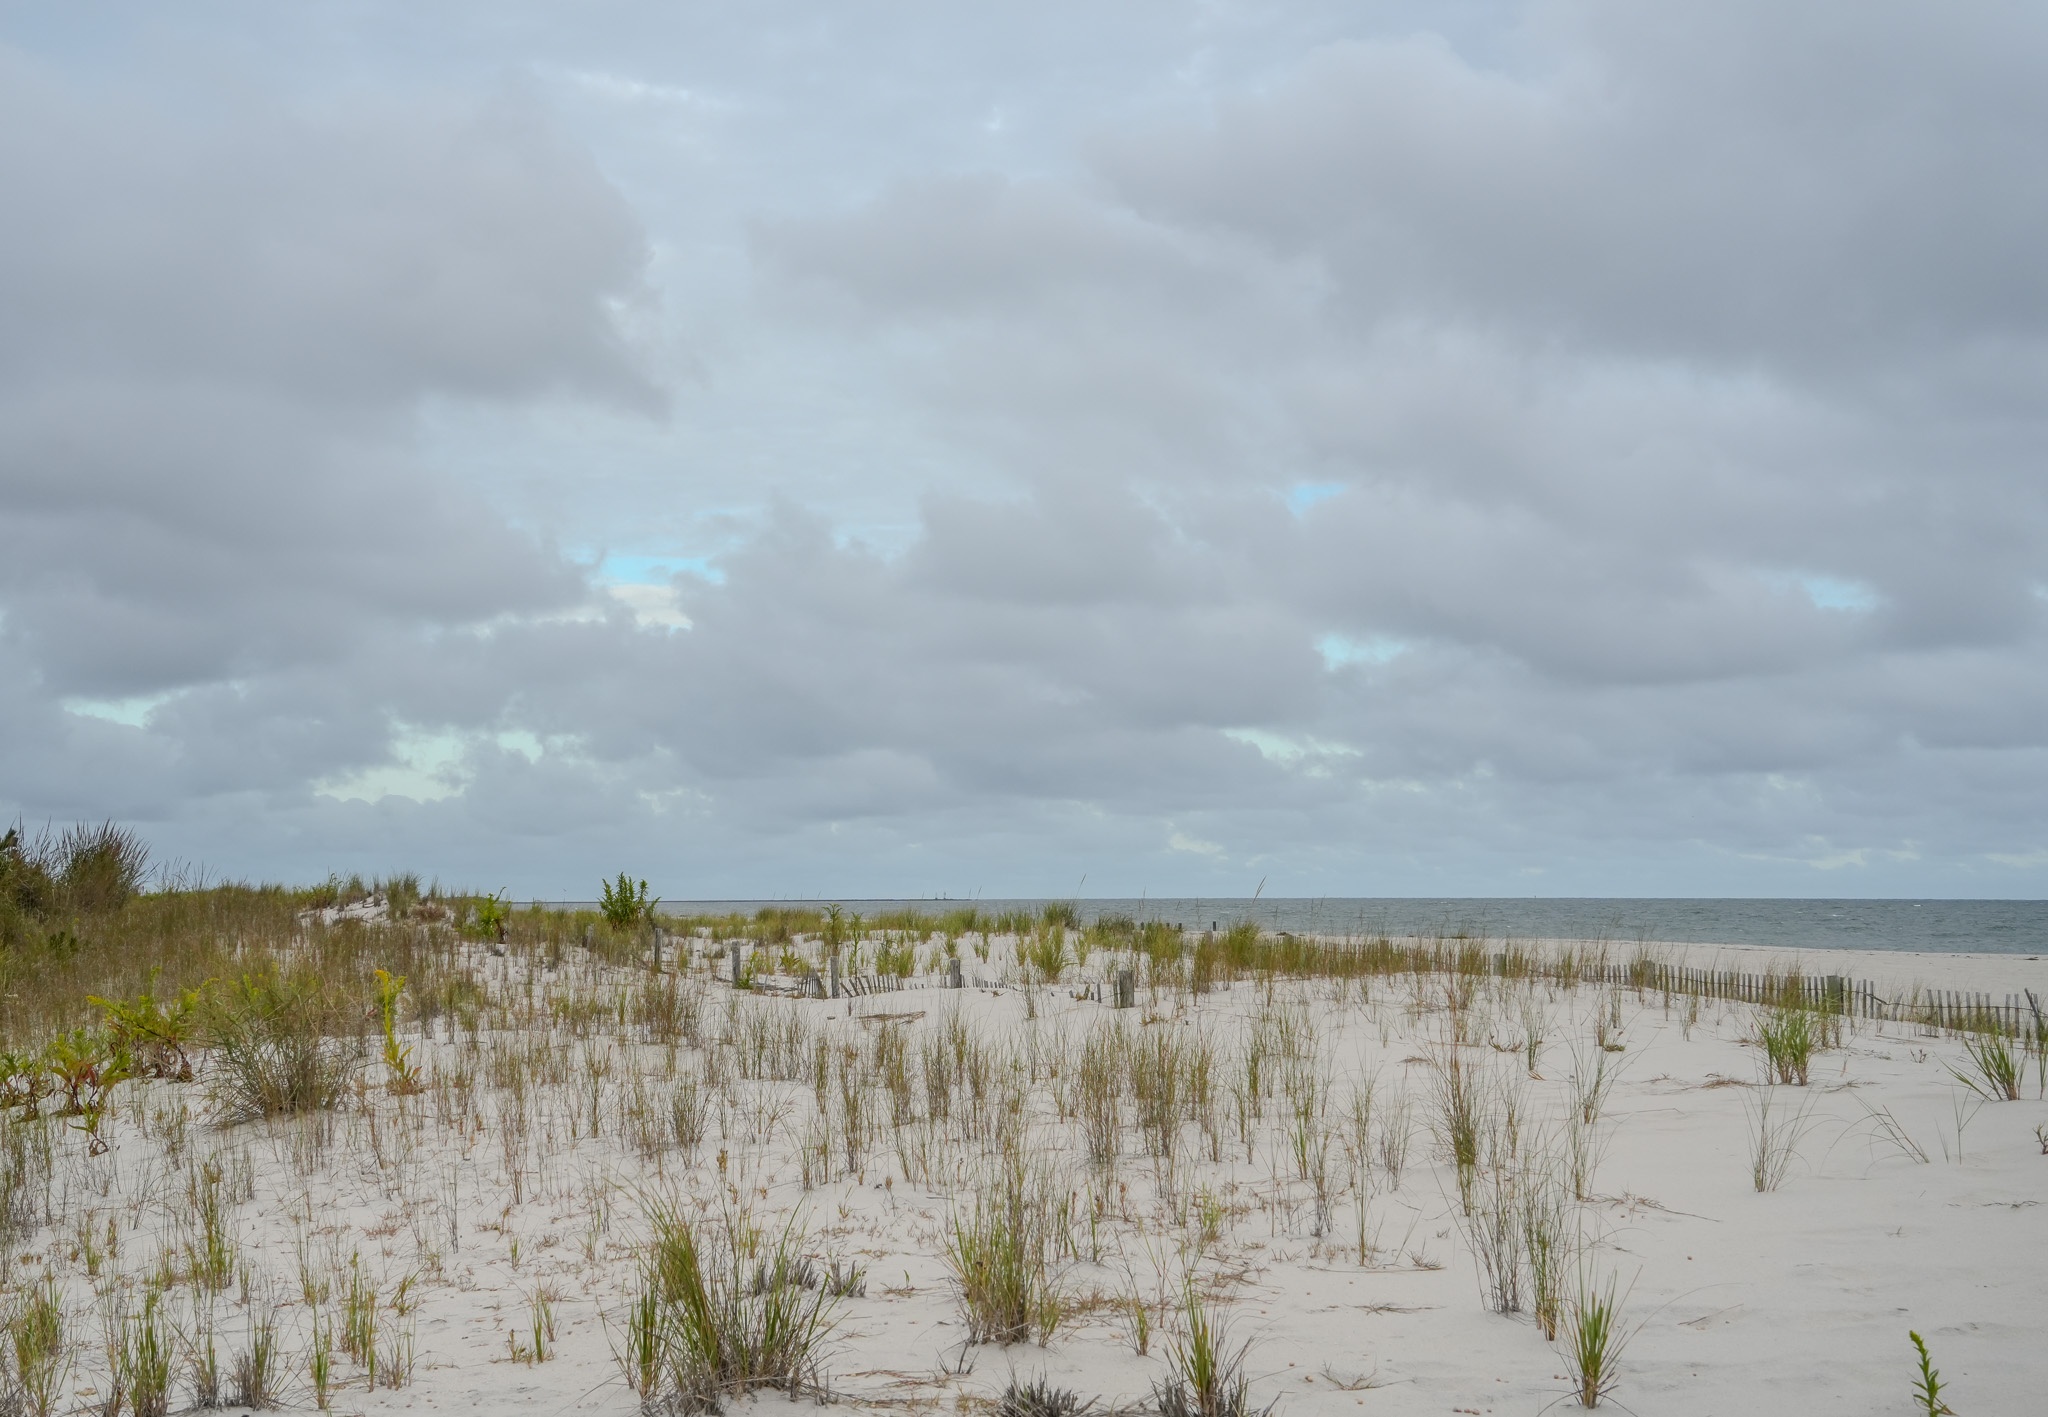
(1459, 1116)
(145, 1357)
(254, 1375)
(1001, 1252)
(274, 1054)
(1995, 1066)
(1789, 1039)
(1775, 1136)
(1097, 1089)
(1207, 1375)
(722, 1312)
(1493, 1218)
(1888, 1129)
(1594, 1337)
(1548, 1245)
(88, 869)
(36, 1348)
(1039, 1398)
(1045, 951)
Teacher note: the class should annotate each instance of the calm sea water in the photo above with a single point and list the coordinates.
(1953, 926)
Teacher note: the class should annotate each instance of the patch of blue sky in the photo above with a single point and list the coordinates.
(1292, 751)
(425, 766)
(429, 765)
(1828, 592)
(617, 569)
(130, 712)
(1341, 650)
(1834, 593)
(519, 741)
(1304, 495)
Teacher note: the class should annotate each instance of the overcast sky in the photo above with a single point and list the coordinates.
(917, 448)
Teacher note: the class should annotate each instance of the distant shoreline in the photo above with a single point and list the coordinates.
(1940, 927)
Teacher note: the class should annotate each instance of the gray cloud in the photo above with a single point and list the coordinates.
(216, 330)
(1607, 463)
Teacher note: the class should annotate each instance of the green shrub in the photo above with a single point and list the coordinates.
(622, 905)
(273, 1053)
(488, 916)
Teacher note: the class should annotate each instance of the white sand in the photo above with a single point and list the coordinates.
(1901, 971)
(1796, 1301)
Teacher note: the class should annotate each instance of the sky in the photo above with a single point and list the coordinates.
(887, 449)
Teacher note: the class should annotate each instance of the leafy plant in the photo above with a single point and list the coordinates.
(154, 1031)
(1927, 1387)
(86, 1065)
(488, 915)
(405, 1075)
(24, 1082)
(896, 957)
(624, 906)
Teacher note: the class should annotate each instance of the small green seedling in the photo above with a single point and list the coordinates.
(1927, 1387)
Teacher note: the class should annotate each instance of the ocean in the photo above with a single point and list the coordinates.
(1949, 926)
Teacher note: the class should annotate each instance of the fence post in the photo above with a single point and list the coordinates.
(953, 979)
(834, 963)
(1126, 989)
(735, 962)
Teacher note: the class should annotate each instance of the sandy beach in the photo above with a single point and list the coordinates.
(1302, 1183)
